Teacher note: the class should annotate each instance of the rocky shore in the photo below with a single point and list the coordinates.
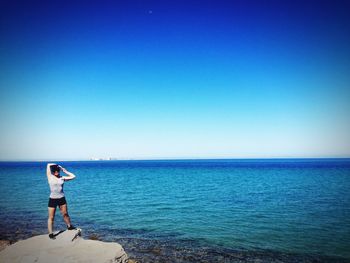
(68, 246)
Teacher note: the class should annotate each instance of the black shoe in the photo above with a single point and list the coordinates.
(51, 236)
(71, 227)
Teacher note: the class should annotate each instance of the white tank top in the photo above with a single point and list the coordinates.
(56, 187)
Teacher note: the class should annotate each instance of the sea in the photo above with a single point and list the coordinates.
(221, 210)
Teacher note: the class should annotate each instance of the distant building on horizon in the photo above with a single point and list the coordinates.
(103, 159)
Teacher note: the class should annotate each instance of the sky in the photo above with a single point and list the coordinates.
(174, 79)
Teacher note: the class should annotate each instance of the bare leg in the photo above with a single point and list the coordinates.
(51, 219)
(64, 212)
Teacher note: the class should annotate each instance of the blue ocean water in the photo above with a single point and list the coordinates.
(281, 206)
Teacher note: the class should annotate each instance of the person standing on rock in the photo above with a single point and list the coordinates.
(57, 198)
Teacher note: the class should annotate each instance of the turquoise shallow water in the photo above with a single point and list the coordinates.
(299, 207)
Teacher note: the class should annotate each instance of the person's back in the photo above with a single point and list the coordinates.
(56, 186)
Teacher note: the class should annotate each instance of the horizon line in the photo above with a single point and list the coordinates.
(168, 159)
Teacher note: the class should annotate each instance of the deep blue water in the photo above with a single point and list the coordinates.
(283, 206)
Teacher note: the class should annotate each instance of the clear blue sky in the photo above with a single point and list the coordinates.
(174, 79)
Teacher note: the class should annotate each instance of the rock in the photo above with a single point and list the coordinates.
(3, 244)
(94, 237)
(68, 247)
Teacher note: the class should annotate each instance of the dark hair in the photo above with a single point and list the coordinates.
(54, 168)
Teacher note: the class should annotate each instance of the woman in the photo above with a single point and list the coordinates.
(57, 198)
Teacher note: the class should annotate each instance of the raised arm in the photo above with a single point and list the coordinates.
(48, 170)
(70, 176)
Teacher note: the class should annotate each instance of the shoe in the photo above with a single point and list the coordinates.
(71, 227)
(51, 236)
